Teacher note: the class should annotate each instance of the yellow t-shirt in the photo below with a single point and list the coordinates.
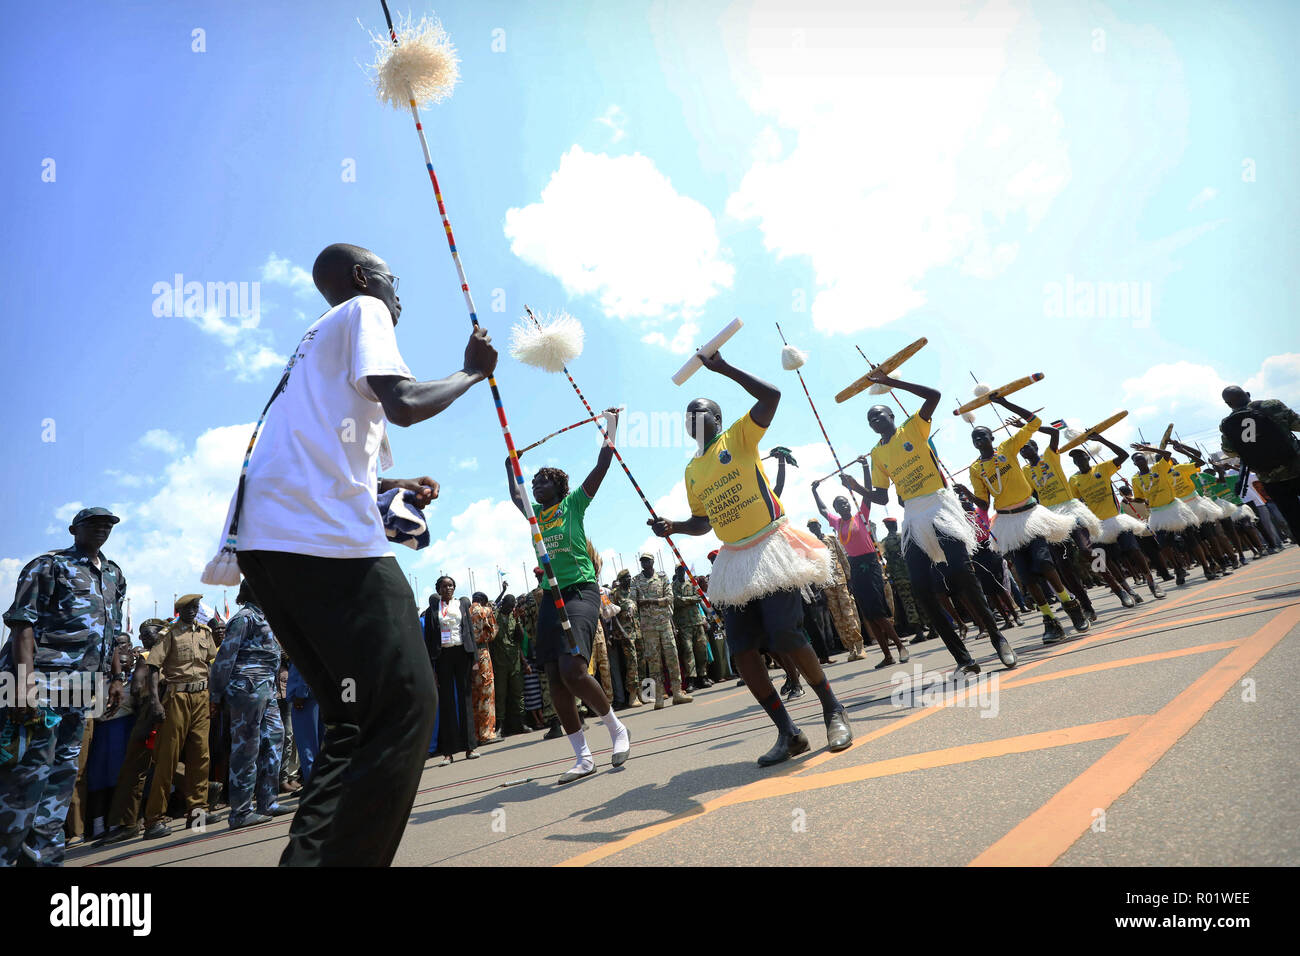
(907, 461)
(999, 478)
(1182, 477)
(1156, 487)
(1093, 489)
(728, 484)
(1048, 479)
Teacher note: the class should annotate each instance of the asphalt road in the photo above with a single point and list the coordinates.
(1163, 735)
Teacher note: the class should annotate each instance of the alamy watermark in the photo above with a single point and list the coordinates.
(53, 690)
(919, 689)
(1085, 299)
(192, 299)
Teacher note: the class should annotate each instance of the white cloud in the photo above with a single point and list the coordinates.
(687, 339)
(615, 228)
(251, 359)
(1201, 198)
(919, 137)
(213, 322)
(1189, 394)
(616, 120)
(488, 534)
(129, 480)
(467, 464)
(9, 568)
(283, 272)
(161, 440)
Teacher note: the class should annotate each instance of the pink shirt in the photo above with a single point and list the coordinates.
(855, 536)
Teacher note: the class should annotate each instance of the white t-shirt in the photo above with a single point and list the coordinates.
(313, 477)
(1251, 494)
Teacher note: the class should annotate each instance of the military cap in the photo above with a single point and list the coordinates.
(85, 514)
(186, 599)
(625, 573)
(153, 622)
(891, 521)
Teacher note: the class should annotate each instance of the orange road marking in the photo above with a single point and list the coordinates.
(1124, 662)
(1042, 837)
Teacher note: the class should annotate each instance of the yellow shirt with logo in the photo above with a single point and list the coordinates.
(1049, 479)
(728, 484)
(1093, 489)
(1156, 487)
(907, 461)
(1182, 478)
(999, 478)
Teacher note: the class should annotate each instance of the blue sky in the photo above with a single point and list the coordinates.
(974, 174)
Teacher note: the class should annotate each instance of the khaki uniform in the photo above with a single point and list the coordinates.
(182, 657)
(839, 600)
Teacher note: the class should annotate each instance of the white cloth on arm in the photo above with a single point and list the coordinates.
(313, 477)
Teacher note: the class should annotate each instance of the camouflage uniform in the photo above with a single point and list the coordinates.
(912, 616)
(75, 610)
(246, 676)
(839, 600)
(508, 666)
(531, 605)
(654, 599)
(624, 629)
(688, 616)
(182, 657)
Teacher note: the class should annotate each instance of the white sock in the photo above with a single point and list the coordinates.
(578, 741)
(617, 732)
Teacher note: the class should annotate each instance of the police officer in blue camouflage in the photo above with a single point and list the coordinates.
(65, 633)
(244, 678)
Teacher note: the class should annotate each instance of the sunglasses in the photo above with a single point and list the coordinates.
(392, 279)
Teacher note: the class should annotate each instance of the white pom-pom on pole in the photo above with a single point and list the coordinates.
(422, 65)
(968, 418)
(792, 358)
(550, 345)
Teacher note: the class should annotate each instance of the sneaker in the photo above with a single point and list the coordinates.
(795, 692)
(785, 747)
(1053, 633)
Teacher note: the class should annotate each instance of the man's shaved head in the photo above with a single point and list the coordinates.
(343, 271)
(1235, 396)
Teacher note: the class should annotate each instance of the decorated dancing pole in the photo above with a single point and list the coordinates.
(792, 359)
(566, 428)
(889, 365)
(426, 66)
(552, 347)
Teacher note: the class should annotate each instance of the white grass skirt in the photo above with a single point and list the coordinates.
(1205, 509)
(1112, 528)
(779, 558)
(1082, 515)
(1175, 516)
(926, 515)
(1013, 531)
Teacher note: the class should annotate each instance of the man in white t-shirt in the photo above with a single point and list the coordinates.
(311, 542)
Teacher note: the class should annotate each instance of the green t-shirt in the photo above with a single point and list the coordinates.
(1208, 484)
(566, 539)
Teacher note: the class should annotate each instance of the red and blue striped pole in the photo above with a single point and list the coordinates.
(543, 558)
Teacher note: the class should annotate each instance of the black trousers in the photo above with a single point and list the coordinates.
(815, 621)
(351, 626)
(1286, 495)
(956, 573)
(455, 706)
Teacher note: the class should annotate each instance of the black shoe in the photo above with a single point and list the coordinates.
(965, 671)
(794, 693)
(1092, 615)
(785, 748)
(917, 640)
(1211, 574)
(155, 830)
(115, 835)
(1075, 610)
(1127, 599)
(887, 662)
(785, 688)
(555, 733)
(1005, 652)
(704, 682)
(839, 735)
(1053, 633)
